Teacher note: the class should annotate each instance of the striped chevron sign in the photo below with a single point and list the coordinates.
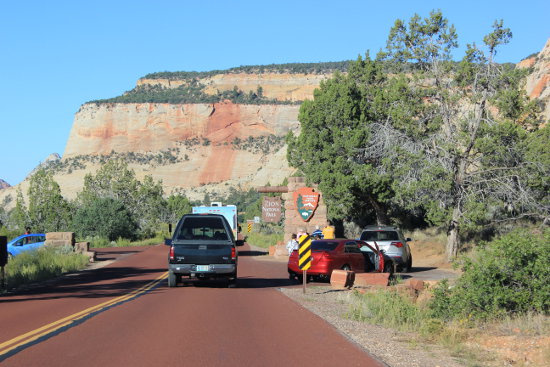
(304, 252)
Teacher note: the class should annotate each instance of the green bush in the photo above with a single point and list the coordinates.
(45, 263)
(105, 218)
(98, 242)
(10, 233)
(509, 275)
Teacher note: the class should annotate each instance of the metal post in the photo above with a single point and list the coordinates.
(305, 280)
(3, 259)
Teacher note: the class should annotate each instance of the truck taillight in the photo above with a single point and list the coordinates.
(172, 257)
(396, 244)
(233, 253)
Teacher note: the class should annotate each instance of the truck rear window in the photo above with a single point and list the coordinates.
(202, 228)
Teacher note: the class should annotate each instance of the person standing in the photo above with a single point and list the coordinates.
(292, 244)
(317, 234)
(27, 231)
(328, 231)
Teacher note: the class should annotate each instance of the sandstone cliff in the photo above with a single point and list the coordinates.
(151, 127)
(205, 147)
(281, 87)
(538, 82)
(209, 147)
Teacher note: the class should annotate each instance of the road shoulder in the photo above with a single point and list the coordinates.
(389, 346)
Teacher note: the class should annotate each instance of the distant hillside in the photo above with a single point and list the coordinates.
(4, 184)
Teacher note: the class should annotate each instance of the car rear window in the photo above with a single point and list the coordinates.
(379, 236)
(323, 246)
(202, 228)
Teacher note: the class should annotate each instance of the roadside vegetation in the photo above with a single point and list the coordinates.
(45, 263)
(113, 206)
(98, 242)
(265, 235)
(503, 290)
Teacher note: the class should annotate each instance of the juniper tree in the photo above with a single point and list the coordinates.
(445, 138)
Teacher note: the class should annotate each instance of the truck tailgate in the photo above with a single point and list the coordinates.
(202, 254)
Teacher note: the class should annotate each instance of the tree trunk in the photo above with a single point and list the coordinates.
(380, 210)
(453, 231)
(453, 235)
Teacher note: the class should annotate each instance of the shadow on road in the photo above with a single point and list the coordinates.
(420, 269)
(249, 283)
(252, 253)
(244, 283)
(97, 283)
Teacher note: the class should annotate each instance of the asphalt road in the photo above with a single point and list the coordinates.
(124, 314)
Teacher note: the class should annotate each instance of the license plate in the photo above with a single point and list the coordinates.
(203, 267)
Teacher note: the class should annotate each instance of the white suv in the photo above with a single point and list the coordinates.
(391, 241)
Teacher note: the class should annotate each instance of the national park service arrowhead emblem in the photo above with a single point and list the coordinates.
(306, 201)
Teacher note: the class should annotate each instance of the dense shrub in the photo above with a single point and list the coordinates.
(105, 217)
(506, 276)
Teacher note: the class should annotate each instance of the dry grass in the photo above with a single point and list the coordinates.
(530, 324)
(428, 247)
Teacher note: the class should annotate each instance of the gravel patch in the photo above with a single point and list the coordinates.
(391, 347)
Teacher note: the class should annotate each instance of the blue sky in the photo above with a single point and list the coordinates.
(57, 55)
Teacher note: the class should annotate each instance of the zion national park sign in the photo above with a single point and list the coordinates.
(306, 201)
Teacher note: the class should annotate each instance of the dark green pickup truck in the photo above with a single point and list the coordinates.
(202, 247)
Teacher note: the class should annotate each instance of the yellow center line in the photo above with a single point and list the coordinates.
(56, 325)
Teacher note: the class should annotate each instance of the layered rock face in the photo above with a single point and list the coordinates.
(150, 127)
(281, 87)
(538, 81)
(212, 146)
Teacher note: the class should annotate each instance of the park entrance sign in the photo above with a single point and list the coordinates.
(271, 209)
(306, 201)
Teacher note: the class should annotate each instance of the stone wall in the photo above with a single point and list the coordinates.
(293, 221)
(60, 239)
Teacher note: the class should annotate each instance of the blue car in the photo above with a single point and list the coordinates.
(25, 242)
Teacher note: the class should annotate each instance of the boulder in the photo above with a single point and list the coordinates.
(370, 279)
(341, 279)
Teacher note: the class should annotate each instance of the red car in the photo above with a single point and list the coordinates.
(327, 255)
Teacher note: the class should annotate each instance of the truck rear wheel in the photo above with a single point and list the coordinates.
(171, 279)
(232, 281)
